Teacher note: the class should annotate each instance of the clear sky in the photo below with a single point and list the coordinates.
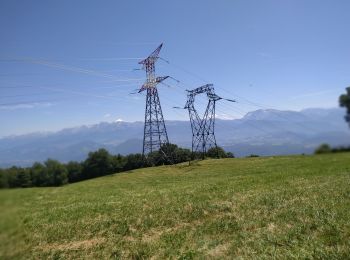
(69, 63)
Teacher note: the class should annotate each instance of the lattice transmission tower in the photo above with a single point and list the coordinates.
(155, 133)
(203, 129)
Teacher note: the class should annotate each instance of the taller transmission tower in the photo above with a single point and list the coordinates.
(155, 134)
(203, 134)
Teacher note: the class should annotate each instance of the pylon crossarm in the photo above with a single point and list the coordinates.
(152, 58)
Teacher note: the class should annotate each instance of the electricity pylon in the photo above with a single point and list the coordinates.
(203, 129)
(155, 134)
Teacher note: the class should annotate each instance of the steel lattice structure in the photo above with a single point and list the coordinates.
(203, 134)
(155, 133)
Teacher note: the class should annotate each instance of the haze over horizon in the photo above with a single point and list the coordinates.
(73, 63)
(262, 132)
(171, 120)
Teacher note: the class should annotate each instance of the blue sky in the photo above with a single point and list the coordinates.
(68, 63)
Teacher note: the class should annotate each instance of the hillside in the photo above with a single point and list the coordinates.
(281, 207)
(263, 132)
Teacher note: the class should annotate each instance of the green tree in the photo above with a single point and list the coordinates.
(344, 101)
(230, 155)
(168, 154)
(4, 179)
(12, 177)
(57, 172)
(118, 163)
(39, 175)
(216, 152)
(323, 148)
(75, 171)
(175, 154)
(98, 163)
(134, 161)
(182, 155)
(17, 177)
(22, 178)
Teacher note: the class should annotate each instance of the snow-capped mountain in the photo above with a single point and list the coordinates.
(263, 132)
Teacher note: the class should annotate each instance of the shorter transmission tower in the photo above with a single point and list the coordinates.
(155, 134)
(203, 129)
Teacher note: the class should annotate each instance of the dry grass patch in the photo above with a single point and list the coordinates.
(218, 251)
(83, 244)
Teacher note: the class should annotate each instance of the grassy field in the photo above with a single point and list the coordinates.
(272, 207)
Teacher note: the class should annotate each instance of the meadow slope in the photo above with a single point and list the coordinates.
(272, 207)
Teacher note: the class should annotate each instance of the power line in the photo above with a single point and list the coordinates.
(71, 68)
(242, 98)
(2, 105)
(25, 95)
(243, 113)
(86, 94)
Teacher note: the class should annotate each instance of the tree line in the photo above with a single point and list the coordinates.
(326, 148)
(98, 163)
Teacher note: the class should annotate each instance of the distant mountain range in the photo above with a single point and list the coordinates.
(262, 132)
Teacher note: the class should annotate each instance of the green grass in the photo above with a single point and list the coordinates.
(273, 207)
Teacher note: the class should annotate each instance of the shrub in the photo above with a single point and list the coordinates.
(323, 148)
(216, 152)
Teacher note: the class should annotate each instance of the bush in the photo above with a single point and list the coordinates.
(230, 155)
(340, 149)
(3, 179)
(75, 172)
(323, 148)
(216, 152)
(56, 172)
(97, 164)
(39, 175)
(22, 179)
(168, 154)
(118, 163)
(134, 161)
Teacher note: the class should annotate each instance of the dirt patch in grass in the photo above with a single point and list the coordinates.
(155, 234)
(219, 250)
(83, 244)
